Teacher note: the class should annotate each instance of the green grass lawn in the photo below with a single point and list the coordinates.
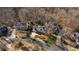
(51, 40)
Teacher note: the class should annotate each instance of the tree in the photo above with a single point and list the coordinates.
(77, 29)
(18, 45)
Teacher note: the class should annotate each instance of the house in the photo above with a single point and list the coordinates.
(39, 39)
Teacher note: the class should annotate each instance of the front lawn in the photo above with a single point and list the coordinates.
(51, 40)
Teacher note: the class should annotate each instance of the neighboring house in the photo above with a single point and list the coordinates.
(22, 26)
(39, 29)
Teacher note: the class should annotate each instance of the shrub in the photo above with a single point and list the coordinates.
(18, 45)
(51, 40)
(77, 31)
